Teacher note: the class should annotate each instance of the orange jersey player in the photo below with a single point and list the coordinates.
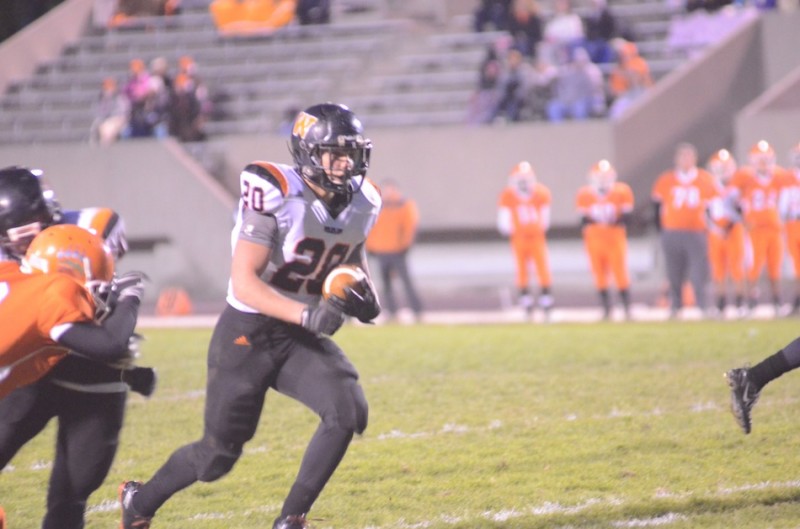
(605, 205)
(48, 309)
(726, 234)
(759, 187)
(681, 197)
(524, 216)
(789, 206)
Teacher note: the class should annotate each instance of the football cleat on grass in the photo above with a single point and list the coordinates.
(744, 396)
(130, 518)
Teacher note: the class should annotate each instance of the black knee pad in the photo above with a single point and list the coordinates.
(351, 410)
(215, 458)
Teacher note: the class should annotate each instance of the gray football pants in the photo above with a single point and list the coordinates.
(686, 258)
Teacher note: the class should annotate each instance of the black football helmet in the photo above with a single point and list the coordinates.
(333, 128)
(24, 209)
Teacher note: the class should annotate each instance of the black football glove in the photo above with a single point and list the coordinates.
(364, 308)
(325, 318)
(142, 380)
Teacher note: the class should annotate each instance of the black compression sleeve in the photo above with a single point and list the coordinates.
(657, 216)
(107, 342)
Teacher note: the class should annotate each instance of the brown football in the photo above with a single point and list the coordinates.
(341, 277)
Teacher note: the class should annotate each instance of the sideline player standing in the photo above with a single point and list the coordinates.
(523, 216)
(681, 197)
(605, 206)
(294, 225)
(726, 235)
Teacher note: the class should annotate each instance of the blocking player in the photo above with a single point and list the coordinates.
(605, 206)
(86, 396)
(759, 186)
(50, 305)
(295, 223)
(726, 235)
(523, 216)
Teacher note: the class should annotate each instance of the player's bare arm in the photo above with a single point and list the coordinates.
(249, 261)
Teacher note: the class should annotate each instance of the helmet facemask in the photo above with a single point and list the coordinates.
(339, 168)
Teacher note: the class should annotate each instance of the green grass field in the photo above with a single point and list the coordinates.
(518, 426)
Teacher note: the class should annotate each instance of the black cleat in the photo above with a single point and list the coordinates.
(130, 518)
(292, 521)
(744, 396)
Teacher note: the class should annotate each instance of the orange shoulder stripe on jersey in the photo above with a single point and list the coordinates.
(378, 189)
(104, 221)
(271, 173)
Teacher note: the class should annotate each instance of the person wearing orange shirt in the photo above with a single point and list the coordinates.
(524, 217)
(790, 213)
(389, 243)
(605, 206)
(681, 197)
(726, 235)
(759, 187)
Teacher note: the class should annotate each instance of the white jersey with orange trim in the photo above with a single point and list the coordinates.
(310, 239)
(103, 222)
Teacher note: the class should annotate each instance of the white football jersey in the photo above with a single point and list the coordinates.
(311, 240)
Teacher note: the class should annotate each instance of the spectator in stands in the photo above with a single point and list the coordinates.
(629, 78)
(138, 91)
(563, 30)
(128, 10)
(514, 85)
(578, 90)
(188, 66)
(525, 26)
(187, 115)
(542, 86)
(492, 14)
(600, 27)
(111, 111)
(161, 90)
(242, 17)
(483, 102)
(313, 12)
(389, 243)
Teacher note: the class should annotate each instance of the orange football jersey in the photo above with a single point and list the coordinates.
(604, 209)
(32, 307)
(683, 204)
(526, 210)
(759, 197)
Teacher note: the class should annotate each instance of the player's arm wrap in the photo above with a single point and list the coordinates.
(108, 341)
(657, 215)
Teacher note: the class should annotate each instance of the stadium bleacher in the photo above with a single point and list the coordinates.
(365, 59)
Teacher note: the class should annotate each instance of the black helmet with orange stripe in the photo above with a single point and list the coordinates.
(329, 148)
(24, 209)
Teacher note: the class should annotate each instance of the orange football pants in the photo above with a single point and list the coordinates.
(793, 244)
(767, 246)
(607, 248)
(726, 254)
(527, 248)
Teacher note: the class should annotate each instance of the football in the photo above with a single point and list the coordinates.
(341, 277)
